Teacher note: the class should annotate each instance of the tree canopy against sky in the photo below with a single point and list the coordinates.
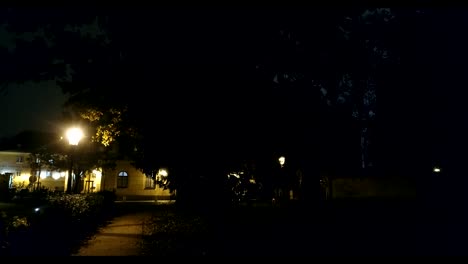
(193, 84)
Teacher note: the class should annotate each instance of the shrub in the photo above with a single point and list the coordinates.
(17, 224)
(63, 220)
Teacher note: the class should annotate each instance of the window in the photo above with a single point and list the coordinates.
(18, 173)
(19, 159)
(122, 179)
(149, 184)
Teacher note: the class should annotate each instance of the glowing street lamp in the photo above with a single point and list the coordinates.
(74, 135)
(162, 175)
(163, 172)
(436, 169)
(282, 160)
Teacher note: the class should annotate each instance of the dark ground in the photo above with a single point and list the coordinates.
(339, 228)
(351, 228)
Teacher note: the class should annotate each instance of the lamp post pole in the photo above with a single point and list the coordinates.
(70, 171)
(74, 136)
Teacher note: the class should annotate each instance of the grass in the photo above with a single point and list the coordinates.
(358, 227)
(244, 230)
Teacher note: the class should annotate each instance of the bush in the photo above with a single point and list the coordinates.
(70, 205)
(62, 221)
(17, 224)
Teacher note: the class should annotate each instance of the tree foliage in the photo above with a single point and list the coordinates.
(329, 70)
(304, 76)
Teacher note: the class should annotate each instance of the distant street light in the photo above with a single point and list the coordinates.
(163, 172)
(282, 160)
(284, 177)
(162, 176)
(74, 135)
(436, 169)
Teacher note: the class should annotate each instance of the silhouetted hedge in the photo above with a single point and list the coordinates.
(56, 227)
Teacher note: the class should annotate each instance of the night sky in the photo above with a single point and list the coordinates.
(172, 39)
(31, 106)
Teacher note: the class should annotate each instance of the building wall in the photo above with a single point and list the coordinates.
(17, 163)
(53, 184)
(136, 189)
(368, 187)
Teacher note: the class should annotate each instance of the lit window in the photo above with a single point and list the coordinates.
(122, 179)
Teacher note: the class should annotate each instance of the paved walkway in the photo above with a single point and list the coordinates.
(122, 236)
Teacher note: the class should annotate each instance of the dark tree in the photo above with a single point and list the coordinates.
(199, 93)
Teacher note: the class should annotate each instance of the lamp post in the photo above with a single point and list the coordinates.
(74, 136)
(278, 181)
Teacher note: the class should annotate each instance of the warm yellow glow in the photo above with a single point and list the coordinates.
(97, 181)
(74, 135)
(436, 169)
(63, 173)
(97, 173)
(281, 160)
(23, 179)
(162, 172)
(56, 175)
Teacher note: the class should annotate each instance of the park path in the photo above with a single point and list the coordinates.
(122, 236)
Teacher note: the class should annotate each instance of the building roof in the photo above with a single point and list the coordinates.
(14, 152)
